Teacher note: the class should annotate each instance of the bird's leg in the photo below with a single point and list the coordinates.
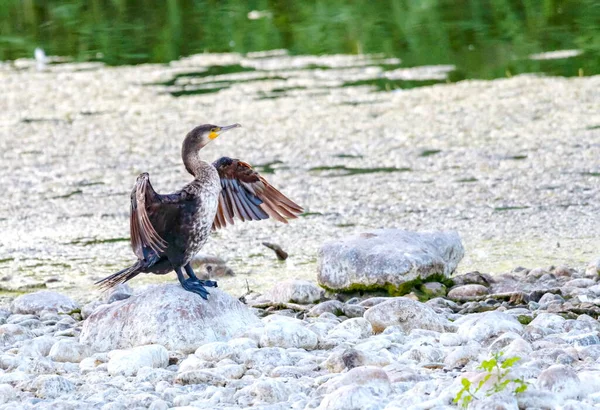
(191, 285)
(192, 275)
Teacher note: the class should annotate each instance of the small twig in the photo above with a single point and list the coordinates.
(281, 254)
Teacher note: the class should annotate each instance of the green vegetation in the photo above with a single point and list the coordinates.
(394, 290)
(483, 38)
(498, 368)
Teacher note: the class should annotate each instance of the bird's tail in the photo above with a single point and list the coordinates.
(122, 276)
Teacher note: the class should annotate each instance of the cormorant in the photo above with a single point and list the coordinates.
(168, 230)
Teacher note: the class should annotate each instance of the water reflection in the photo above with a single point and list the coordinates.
(482, 38)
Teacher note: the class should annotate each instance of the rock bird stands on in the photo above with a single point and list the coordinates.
(168, 230)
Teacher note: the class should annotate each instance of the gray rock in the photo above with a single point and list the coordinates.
(353, 311)
(119, 292)
(462, 355)
(261, 392)
(295, 291)
(352, 329)
(467, 292)
(593, 269)
(215, 351)
(352, 398)
(283, 333)
(128, 362)
(550, 322)
(39, 346)
(331, 306)
(500, 401)
(433, 290)
(89, 308)
(482, 326)
(7, 393)
(51, 386)
(560, 379)
(167, 315)
(69, 351)
(154, 375)
(372, 377)
(200, 377)
(11, 334)
(43, 301)
(229, 371)
(582, 339)
(406, 313)
(387, 258)
(159, 404)
(265, 359)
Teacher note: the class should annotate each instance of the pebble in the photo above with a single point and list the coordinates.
(128, 362)
(296, 291)
(406, 313)
(43, 301)
(69, 351)
(288, 334)
(352, 329)
(51, 386)
(467, 292)
(378, 353)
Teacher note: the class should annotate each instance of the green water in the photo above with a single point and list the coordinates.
(482, 38)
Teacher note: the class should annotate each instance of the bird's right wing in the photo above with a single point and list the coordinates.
(143, 235)
(247, 196)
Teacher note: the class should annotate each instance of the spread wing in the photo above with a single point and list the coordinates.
(143, 235)
(247, 196)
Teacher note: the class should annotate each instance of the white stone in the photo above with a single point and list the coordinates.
(261, 392)
(560, 379)
(167, 315)
(406, 313)
(11, 334)
(229, 371)
(548, 321)
(128, 362)
(39, 346)
(215, 351)
(69, 351)
(265, 359)
(7, 393)
(295, 291)
(352, 329)
(368, 376)
(51, 386)
(482, 326)
(288, 334)
(43, 301)
(352, 398)
(387, 257)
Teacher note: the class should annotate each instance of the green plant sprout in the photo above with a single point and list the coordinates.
(493, 367)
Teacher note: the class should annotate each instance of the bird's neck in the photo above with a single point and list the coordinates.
(190, 153)
(195, 165)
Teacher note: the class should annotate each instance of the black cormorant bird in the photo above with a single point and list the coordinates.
(168, 230)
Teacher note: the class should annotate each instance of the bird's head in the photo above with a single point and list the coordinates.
(203, 134)
(196, 139)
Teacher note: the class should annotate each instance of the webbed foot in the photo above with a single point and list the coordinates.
(209, 283)
(196, 287)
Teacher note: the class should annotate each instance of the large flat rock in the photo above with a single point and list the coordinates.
(169, 316)
(386, 259)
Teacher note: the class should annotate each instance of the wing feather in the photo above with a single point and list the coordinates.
(143, 234)
(248, 196)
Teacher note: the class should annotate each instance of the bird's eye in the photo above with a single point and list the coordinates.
(213, 129)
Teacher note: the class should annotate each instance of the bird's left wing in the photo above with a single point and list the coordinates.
(247, 196)
(143, 235)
